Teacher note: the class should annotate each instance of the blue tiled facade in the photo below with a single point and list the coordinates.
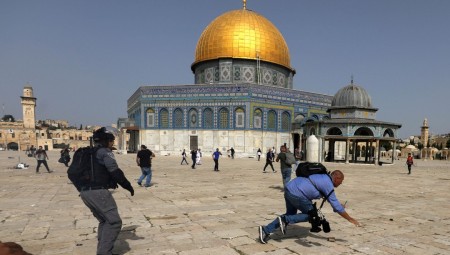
(223, 106)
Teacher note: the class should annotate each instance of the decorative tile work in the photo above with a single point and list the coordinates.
(248, 74)
(208, 122)
(285, 121)
(267, 77)
(237, 73)
(225, 73)
(274, 78)
(209, 75)
(178, 118)
(216, 74)
(281, 80)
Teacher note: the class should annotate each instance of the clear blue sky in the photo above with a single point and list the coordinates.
(85, 58)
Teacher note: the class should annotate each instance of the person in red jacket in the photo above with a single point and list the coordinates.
(409, 162)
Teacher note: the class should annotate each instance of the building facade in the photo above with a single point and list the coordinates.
(243, 95)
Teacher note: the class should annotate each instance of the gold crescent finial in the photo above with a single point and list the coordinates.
(245, 4)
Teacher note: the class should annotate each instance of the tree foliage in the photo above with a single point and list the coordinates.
(8, 118)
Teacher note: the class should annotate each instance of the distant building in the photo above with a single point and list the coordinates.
(50, 134)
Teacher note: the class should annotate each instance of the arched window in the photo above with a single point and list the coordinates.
(257, 118)
(388, 133)
(285, 121)
(334, 131)
(223, 118)
(208, 118)
(164, 118)
(150, 117)
(178, 118)
(240, 118)
(272, 120)
(363, 131)
(193, 118)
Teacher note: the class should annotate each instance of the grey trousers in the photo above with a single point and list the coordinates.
(104, 207)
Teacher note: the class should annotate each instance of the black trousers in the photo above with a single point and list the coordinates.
(268, 162)
(184, 160)
(42, 162)
(216, 165)
(193, 163)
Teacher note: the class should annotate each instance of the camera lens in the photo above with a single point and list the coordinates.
(326, 226)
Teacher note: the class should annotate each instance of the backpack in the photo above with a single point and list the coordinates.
(290, 159)
(409, 160)
(306, 169)
(82, 167)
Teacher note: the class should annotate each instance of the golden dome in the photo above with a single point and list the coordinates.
(242, 34)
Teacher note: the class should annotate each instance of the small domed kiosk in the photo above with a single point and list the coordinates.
(351, 134)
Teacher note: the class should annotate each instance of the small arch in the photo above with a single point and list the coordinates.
(208, 118)
(257, 118)
(193, 118)
(150, 115)
(334, 131)
(224, 116)
(388, 133)
(177, 118)
(239, 114)
(164, 118)
(271, 120)
(12, 146)
(363, 131)
(285, 121)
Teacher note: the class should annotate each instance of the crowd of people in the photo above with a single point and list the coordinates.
(299, 192)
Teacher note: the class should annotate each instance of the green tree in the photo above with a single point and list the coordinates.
(387, 145)
(448, 143)
(420, 146)
(8, 118)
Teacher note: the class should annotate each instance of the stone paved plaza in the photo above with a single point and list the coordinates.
(200, 212)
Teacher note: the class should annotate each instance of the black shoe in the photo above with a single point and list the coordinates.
(263, 237)
(283, 224)
(140, 184)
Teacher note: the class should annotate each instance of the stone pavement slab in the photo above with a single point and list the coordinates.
(199, 212)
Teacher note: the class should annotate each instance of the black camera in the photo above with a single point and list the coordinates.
(317, 219)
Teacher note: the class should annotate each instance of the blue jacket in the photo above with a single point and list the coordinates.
(303, 187)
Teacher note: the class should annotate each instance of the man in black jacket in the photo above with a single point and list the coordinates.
(97, 197)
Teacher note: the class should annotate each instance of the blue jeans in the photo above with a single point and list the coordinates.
(293, 203)
(146, 171)
(286, 175)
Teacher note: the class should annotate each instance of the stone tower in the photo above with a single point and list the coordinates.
(424, 133)
(28, 107)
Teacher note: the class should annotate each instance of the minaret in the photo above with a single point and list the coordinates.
(424, 133)
(28, 107)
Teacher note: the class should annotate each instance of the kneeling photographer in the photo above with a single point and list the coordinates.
(298, 196)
